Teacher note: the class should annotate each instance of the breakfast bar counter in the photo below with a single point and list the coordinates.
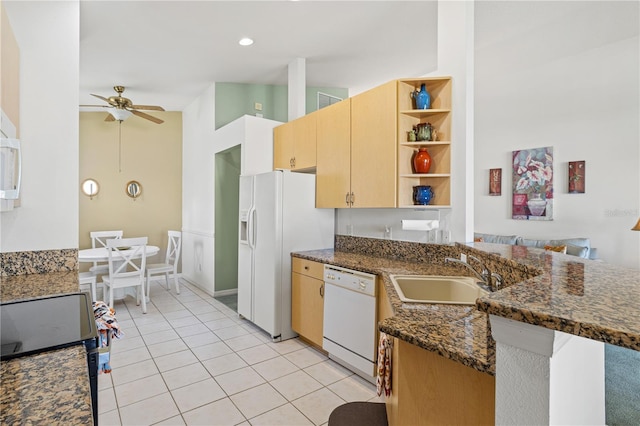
(578, 296)
(586, 298)
(50, 387)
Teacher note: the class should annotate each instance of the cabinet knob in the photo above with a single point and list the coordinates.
(346, 198)
(306, 268)
(353, 199)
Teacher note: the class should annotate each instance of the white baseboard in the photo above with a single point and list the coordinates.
(225, 292)
(198, 286)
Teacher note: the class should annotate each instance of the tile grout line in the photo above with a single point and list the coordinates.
(251, 331)
(180, 337)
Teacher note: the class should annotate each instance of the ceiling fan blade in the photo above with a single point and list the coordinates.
(102, 97)
(96, 106)
(148, 107)
(109, 118)
(147, 116)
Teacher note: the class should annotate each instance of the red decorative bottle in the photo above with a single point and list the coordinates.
(422, 161)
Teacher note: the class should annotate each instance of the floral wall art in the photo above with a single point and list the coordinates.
(532, 184)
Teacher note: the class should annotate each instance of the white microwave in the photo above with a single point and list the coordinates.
(10, 168)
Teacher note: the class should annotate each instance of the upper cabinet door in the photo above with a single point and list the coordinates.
(333, 170)
(283, 146)
(304, 147)
(373, 147)
(294, 144)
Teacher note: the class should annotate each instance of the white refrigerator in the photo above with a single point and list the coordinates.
(277, 217)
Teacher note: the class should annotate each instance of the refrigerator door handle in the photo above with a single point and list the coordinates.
(251, 235)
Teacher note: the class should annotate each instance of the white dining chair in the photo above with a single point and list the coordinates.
(122, 253)
(99, 239)
(88, 280)
(170, 264)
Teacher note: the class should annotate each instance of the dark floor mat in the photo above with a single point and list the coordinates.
(359, 414)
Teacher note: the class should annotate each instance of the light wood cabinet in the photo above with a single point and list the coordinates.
(307, 299)
(369, 143)
(294, 144)
(429, 389)
(363, 157)
(333, 171)
(283, 146)
(373, 147)
(439, 115)
(433, 390)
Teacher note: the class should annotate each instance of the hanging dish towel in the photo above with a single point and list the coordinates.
(385, 348)
(108, 328)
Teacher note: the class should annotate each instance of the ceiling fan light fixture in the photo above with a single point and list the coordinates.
(246, 41)
(120, 114)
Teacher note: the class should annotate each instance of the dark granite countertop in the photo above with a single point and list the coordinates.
(582, 297)
(457, 332)
(46, 388)
(587, 298)
(29, 286)
(50, 387)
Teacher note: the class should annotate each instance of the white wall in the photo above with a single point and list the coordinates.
(561, 74)
(455, 59)
(200, 144)
(198, 127)
(49, 92)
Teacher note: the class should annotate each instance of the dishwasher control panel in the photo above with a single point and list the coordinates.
(361, 282)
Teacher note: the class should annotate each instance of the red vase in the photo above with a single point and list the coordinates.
(422, 161)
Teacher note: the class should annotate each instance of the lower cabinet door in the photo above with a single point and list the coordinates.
(307, 306)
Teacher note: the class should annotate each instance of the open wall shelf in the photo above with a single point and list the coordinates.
(439, 116)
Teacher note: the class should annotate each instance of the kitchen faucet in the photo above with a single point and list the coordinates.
(488, 278)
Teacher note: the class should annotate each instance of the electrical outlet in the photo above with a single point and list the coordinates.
(463, 257)
(387, 232)
(258, 106)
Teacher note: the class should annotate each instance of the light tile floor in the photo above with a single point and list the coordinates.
(192, 361)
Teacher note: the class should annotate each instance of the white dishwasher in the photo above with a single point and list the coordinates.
(350, 323)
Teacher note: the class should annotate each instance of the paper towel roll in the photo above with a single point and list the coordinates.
(419, 225)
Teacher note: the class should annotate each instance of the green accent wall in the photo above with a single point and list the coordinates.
(233, 100)
(227, 191)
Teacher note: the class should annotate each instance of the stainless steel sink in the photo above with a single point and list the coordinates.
(437, 289)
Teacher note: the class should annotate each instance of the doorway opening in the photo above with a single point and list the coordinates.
(227, 192)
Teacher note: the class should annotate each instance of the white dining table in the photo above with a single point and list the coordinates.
(101, 254)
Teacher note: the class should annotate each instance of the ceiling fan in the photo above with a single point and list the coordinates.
(122, 108)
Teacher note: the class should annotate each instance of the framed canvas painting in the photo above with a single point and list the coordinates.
(577, 174)
(495, 181)
(532, 183)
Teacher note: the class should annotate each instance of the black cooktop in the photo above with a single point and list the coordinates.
(38, 325)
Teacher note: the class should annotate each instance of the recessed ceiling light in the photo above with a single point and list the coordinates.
(246, 41)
